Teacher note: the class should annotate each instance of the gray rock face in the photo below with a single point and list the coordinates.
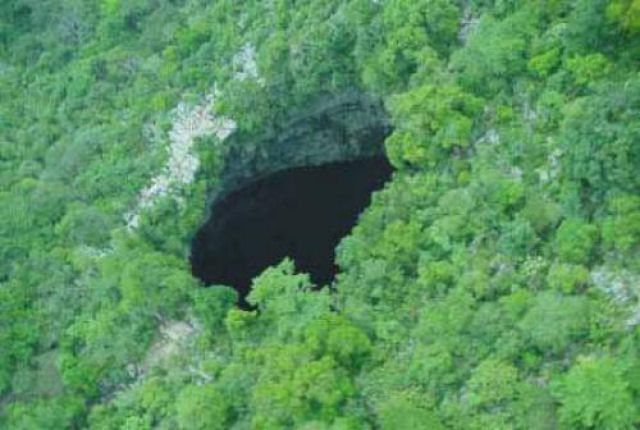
(348, 127)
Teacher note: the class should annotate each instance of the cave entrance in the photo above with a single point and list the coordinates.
(301, 213)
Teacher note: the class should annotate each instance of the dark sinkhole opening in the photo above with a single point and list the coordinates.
(301, 213)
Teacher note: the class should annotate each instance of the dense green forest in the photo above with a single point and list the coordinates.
(494, 283)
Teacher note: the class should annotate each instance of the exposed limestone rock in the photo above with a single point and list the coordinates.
(245, 64)
(189, 123)
(335, 128)
(468, 25)
(174, 335)
(622, 287)
(342, 128)
(550, 171)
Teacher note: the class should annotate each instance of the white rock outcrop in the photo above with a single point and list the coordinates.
(245, 64)
(623, 286)
(189, 123)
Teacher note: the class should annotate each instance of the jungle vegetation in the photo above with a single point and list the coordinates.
(494, 283)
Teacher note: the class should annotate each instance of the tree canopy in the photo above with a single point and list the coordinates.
(492, 284)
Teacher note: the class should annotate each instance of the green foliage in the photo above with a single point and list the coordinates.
(43, 414)
(495, 54)
(491, 383)
(541, 212)
(212, 304)
(621, 230)
(472, 292)
(601, 159)
(434, 123)
(594, 394)
(535, 408)
(156, 280)
(588, 68)
(201, 407)
(518, 238)
(84, 225)
(575, 240)
(501, 191)
(400, 411)
(407, 32)
(588, 27)
(555, 321)
(568, 278)
(626, 13)
(544, 63)
(293, 390)
(347, 344)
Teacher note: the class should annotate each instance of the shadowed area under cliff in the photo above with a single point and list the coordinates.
(332, 129)
(300, 213)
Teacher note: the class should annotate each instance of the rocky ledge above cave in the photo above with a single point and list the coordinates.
(333, 129)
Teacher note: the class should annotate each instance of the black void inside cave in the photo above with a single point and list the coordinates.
(301, 213)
